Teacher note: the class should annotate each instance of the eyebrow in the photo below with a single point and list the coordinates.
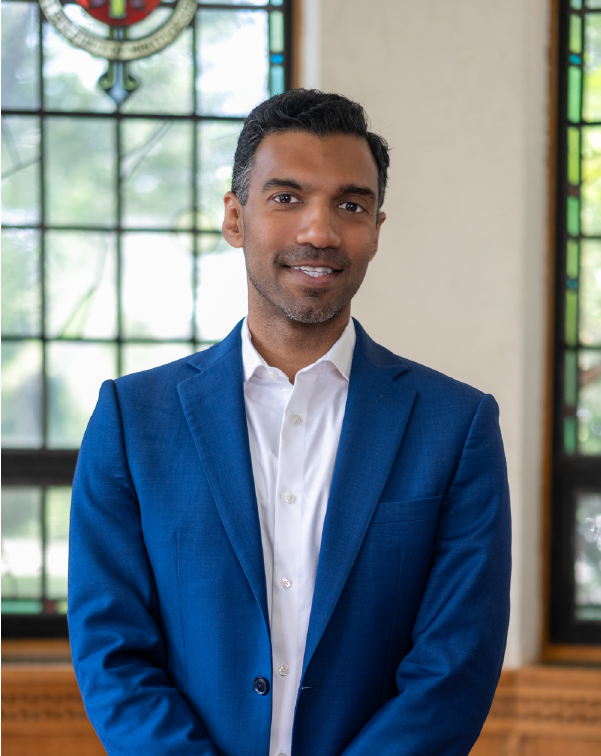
(280, 183)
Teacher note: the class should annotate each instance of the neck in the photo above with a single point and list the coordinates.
(289, 345)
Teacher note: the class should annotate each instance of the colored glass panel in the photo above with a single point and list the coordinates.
(589, 403)
(572, 259)
(574, 93)
(573, 216)
(76, 371)
(591, 105)
(21, 290)
(276, 31)
(590, 293)
(80, 175)
(21, 543)
(593, 3)
(570, 380)
(222, 295)
(216, 146)
(156, 174)
(232, 54)
(587, 564)
(571, 318)
(157, 279)
(569, 435)
(22, 394)
(20, 82)
(575, 34)
(573, 155)
(590, 191)
(81, 285)
(576, 4)
(276, 80)
(21, 170)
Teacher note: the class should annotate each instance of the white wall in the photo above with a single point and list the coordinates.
(459, 89)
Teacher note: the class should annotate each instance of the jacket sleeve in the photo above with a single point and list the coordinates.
(447, 681)
(117, 645)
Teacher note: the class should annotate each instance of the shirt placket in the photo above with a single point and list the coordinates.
(288, 550)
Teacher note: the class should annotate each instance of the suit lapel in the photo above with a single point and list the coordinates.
(377, 411)
(213, 402)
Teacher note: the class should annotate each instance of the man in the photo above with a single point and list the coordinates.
(294, 543)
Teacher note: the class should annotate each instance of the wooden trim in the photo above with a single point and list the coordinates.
(548, 420)
(297, 38)
(36, 651)
(572, 654)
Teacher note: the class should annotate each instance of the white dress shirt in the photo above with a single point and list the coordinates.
(294, 431)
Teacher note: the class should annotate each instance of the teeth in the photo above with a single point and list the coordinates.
(314, 272)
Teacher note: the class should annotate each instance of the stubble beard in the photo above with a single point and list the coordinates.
(303, 311)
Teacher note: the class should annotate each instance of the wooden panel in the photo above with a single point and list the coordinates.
(537, 711)
(544, 711)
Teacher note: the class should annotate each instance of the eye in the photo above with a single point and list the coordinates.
(286, 199)
(352, 207)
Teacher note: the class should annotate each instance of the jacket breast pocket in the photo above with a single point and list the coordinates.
(406, 511)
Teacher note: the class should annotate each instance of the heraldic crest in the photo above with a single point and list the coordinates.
(119, 15)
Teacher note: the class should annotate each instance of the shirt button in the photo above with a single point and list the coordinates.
(289, 498)
(296, 419)
(283, 670)
(286, 582)
(273, 375)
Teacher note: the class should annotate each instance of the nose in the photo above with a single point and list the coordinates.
(317, 227)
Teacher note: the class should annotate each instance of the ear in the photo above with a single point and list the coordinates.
(374, 249)
(233, 223)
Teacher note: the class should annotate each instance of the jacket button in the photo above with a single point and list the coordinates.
(261, 686)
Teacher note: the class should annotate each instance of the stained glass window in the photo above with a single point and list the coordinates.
(575, 588)
(113, 257)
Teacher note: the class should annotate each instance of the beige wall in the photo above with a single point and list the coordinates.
(459, 89)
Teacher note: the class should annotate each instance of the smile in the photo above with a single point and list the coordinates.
(313, 272)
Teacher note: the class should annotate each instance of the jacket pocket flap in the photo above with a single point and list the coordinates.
(406, 511)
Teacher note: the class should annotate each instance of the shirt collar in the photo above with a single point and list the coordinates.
(340, 355)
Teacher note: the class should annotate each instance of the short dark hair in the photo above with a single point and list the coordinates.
(320, 113)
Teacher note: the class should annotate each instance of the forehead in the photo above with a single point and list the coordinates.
(331, 161)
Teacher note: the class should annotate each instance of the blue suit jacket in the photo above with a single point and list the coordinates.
(167, 597)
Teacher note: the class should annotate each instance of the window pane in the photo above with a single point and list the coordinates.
(157, 174)
(22, 394)
(167, 78)
(591, 180)
(592, 68)
(71, 75)
(80, 177)
(20, 82)
(587, 570)
(216, 146)
(590, 293)
(21, 544)
(81, 277)
(589, 404)
(157, 286)
(232, 61)
(58, 506)
(21, 301)
(75, 373)
(138, 357)
(222, 298)
(20, 170)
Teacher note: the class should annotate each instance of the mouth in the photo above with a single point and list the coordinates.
(314, 272)
(314, 276)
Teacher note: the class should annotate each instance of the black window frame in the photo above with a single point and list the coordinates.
(571, 474)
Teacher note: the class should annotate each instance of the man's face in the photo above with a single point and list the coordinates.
(310, 226)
